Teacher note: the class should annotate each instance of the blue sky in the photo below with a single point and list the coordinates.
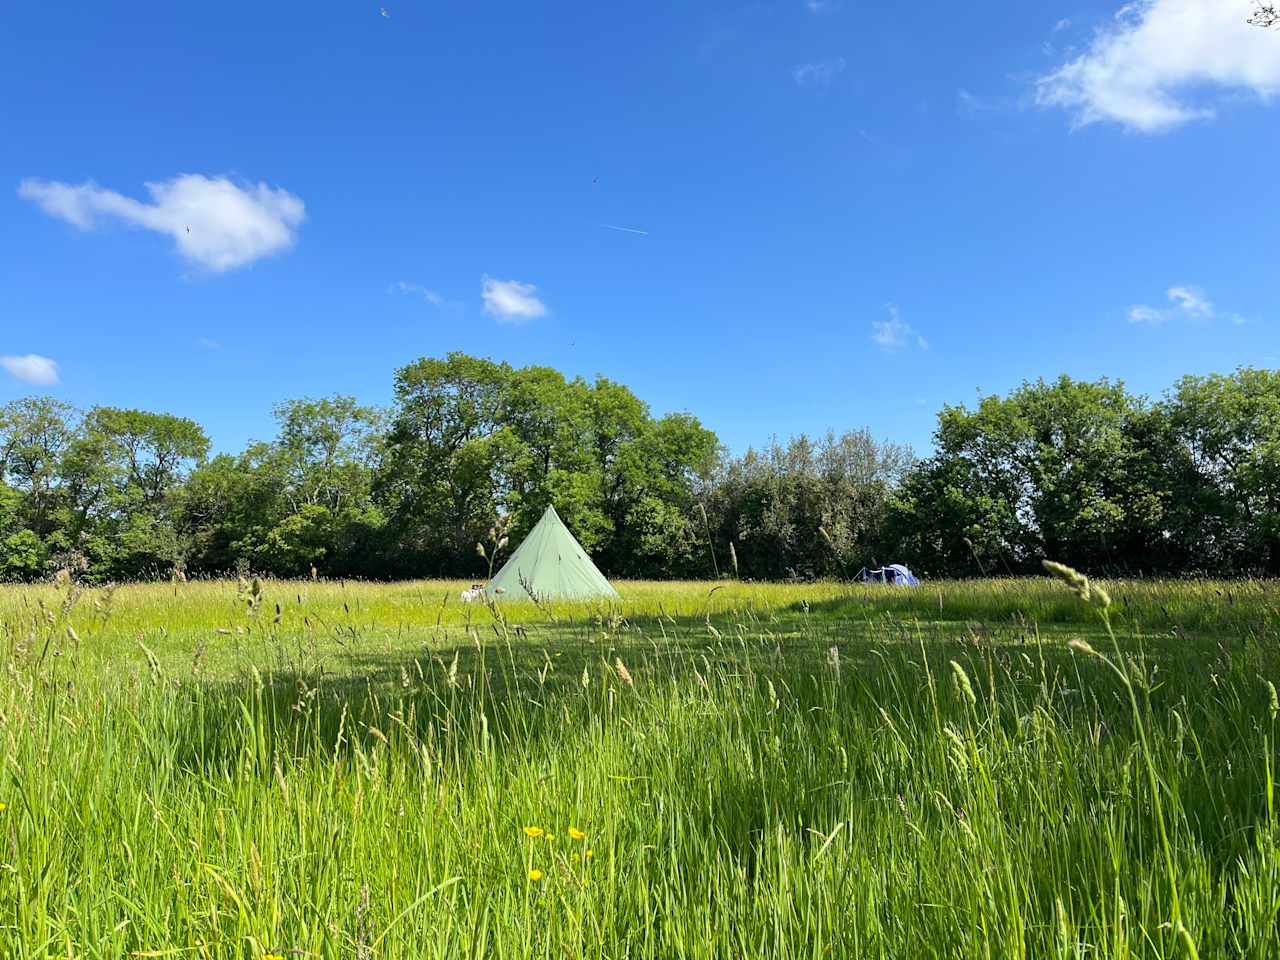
(848, 213)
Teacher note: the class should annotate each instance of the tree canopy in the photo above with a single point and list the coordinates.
(472, 451)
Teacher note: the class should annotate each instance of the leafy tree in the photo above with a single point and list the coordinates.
(23, 555)
(472, 441)
(1229, 429)
(652, 472)
(122, 473)
(35, 433)
(302, 500)
(1079, 471)
(438, 484)
(546, 454)
(152, 449)
(806, 509)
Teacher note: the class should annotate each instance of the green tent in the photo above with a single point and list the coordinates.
(552, 564)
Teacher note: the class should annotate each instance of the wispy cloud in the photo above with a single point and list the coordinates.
(610, 226)
(510, 301)
(1141, 313)
(417, 290)
(31, 368)
(969, 102)
(216, 223)
(896, 334)
(1185, 301)
(820, 73)
(1063, 24)
(208, 343)
(1163, 63)
(1191, 301)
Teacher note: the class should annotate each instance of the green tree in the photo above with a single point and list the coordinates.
(23, 555)
(807, 509)
(299, 501)
(35, 434)
(1071, 470)
(1228, 427)
(438, 482)
(472, 441)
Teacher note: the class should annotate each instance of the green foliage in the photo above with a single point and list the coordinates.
(1229, 429)
(472, 440)
(807, 509)
(1081, 471)
(301, 501)
(1103, 480)
(23, 556)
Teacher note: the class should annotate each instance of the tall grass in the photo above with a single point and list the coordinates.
(762, 770)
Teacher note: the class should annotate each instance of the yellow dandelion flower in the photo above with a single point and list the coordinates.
(3, 807)
(591, 853)
(550, 837)
(535, 875)
(577, 834)
(272, 956)
(533, 832)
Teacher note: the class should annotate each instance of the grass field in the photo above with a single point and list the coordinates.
(367, 771)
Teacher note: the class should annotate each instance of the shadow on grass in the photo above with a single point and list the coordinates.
(511, 691)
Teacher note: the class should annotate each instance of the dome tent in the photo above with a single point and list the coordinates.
(552, 565)
(894, 573)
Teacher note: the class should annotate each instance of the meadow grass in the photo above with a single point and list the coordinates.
(984, 769)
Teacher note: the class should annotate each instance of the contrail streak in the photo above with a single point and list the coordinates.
(610, 226)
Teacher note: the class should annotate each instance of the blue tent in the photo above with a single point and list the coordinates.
(894, 573)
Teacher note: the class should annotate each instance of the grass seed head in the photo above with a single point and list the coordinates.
(962, 683)
(1077, 581)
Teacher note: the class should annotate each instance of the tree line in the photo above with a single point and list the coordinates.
(452, 475)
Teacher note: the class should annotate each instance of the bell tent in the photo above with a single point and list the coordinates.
(551, 564)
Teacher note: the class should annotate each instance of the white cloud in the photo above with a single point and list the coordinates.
(1192, 301)
(216, 223)
(895, 333)
(820, 72)
(1140, 313)
(418, 290)
(32, 368)
(1161, 64)
(1188, 301)
(510, 301)
(1063, 24)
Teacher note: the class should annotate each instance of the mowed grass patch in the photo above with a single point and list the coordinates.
(347, 770)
